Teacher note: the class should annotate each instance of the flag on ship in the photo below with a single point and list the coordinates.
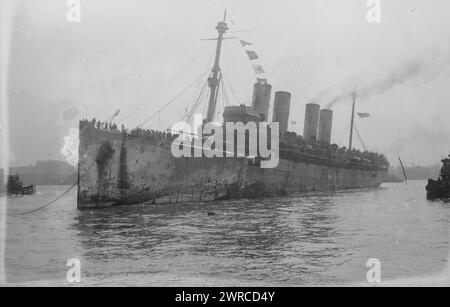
(244, 43)
(258, 69)
(251, 55)
(363, 115)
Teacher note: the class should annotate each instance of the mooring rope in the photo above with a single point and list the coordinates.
(58, 198)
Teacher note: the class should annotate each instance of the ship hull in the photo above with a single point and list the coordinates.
(117, 170)
(437, 190)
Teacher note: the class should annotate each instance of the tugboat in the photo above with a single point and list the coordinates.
(440, 189)
(15, 187)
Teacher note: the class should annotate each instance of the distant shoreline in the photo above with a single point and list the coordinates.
(44, 172)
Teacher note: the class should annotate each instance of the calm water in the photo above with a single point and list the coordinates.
(310, 239)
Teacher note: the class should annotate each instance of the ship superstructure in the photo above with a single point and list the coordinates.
(440, 188)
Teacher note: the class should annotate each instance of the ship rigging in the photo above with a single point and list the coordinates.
(221, 90)
(217, 84)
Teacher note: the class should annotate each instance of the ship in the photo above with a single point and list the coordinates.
(15, 187)
(440, 188)
(127, 167)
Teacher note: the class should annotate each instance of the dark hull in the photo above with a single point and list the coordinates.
(438, 190)
(28, 190)
(114, 171)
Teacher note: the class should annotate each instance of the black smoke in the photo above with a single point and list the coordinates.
(401, 74)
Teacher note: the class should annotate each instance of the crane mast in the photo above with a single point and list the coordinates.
(352, 121)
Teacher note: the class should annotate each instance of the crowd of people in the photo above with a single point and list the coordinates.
(135, 133)
(109, 126)
(333, 150)
(153, 135)
(291, 138)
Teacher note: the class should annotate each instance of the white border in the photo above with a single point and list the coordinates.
(7, 9)
(7, 12)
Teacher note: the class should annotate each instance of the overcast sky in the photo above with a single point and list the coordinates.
(122, 52)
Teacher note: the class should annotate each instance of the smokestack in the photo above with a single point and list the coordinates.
(311, 122)
(261, 99)
(325, 125)
(281, 108)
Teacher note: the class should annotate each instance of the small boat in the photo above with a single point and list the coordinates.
(15, 187)
(440, 189)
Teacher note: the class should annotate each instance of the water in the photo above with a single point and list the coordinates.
(314, 239)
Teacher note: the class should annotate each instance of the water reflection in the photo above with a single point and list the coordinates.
(285, 234)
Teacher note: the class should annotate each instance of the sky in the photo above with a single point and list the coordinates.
(137, 55)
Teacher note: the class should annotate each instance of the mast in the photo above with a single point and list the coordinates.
(214, 80)
(352, 122)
